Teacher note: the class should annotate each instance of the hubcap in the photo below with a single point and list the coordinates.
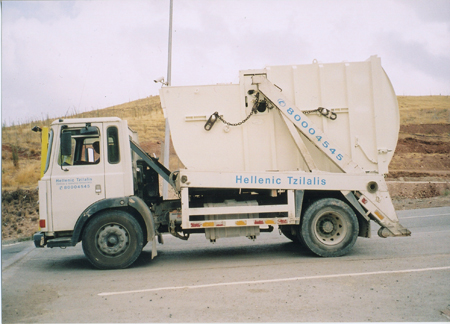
(330, 228)
(112, 240)
(327, 227)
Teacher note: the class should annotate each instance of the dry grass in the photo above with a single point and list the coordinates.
(29, 173)
(26, 175)
(144, 116)
(424, 109)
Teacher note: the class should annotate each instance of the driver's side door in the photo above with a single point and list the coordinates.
(78, 178)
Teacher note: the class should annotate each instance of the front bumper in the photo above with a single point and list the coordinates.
(39, 239)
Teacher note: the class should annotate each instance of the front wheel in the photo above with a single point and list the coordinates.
(329, 227)
(112, 240)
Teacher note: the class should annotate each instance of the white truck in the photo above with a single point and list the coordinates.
(304, 148)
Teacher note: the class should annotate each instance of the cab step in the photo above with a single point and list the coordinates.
(60, 242)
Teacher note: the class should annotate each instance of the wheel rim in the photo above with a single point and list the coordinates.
(112, 240)
(330, 228)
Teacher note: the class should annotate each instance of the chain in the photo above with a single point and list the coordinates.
(213, 118)
(235, 124)
(323, 111)
(307, 112)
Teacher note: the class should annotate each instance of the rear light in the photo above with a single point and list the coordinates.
(42, 223)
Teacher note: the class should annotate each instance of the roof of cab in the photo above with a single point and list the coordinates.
(85, 120)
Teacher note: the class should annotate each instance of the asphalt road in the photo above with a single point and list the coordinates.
(238, 280)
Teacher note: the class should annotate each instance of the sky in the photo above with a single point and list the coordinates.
(65, 57)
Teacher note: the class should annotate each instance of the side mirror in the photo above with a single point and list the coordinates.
(66, 144)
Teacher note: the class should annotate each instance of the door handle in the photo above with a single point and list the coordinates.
(98, 189)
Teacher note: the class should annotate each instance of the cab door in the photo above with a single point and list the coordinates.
(118, 170)
(78, 175)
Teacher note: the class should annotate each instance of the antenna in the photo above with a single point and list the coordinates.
(169, 64)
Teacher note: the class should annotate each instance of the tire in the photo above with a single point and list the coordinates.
(329, 228)
(286, 230)
(112, 240)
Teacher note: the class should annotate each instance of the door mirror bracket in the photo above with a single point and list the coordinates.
(66, 147)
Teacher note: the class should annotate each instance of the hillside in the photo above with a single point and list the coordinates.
(423, 147)
(419, 170)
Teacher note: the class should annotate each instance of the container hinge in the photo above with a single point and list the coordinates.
(384, 151)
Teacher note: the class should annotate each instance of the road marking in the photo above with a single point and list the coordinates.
(432, 232)
(273, 280)
(11, 244)
(425, 216)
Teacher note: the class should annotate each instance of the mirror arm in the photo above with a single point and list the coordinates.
(61, 146)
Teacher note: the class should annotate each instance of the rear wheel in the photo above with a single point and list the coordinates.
(329, 228)
(112, 240)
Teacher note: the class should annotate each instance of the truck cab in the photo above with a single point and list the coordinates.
(84, 165)
(90, 169)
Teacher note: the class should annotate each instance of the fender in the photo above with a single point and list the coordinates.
(133, 201)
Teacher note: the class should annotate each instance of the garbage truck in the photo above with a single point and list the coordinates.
(303, 149)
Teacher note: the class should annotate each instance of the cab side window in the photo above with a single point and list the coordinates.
(113, 145)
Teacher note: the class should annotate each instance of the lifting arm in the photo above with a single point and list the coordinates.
(153, 163)
(304, 125)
